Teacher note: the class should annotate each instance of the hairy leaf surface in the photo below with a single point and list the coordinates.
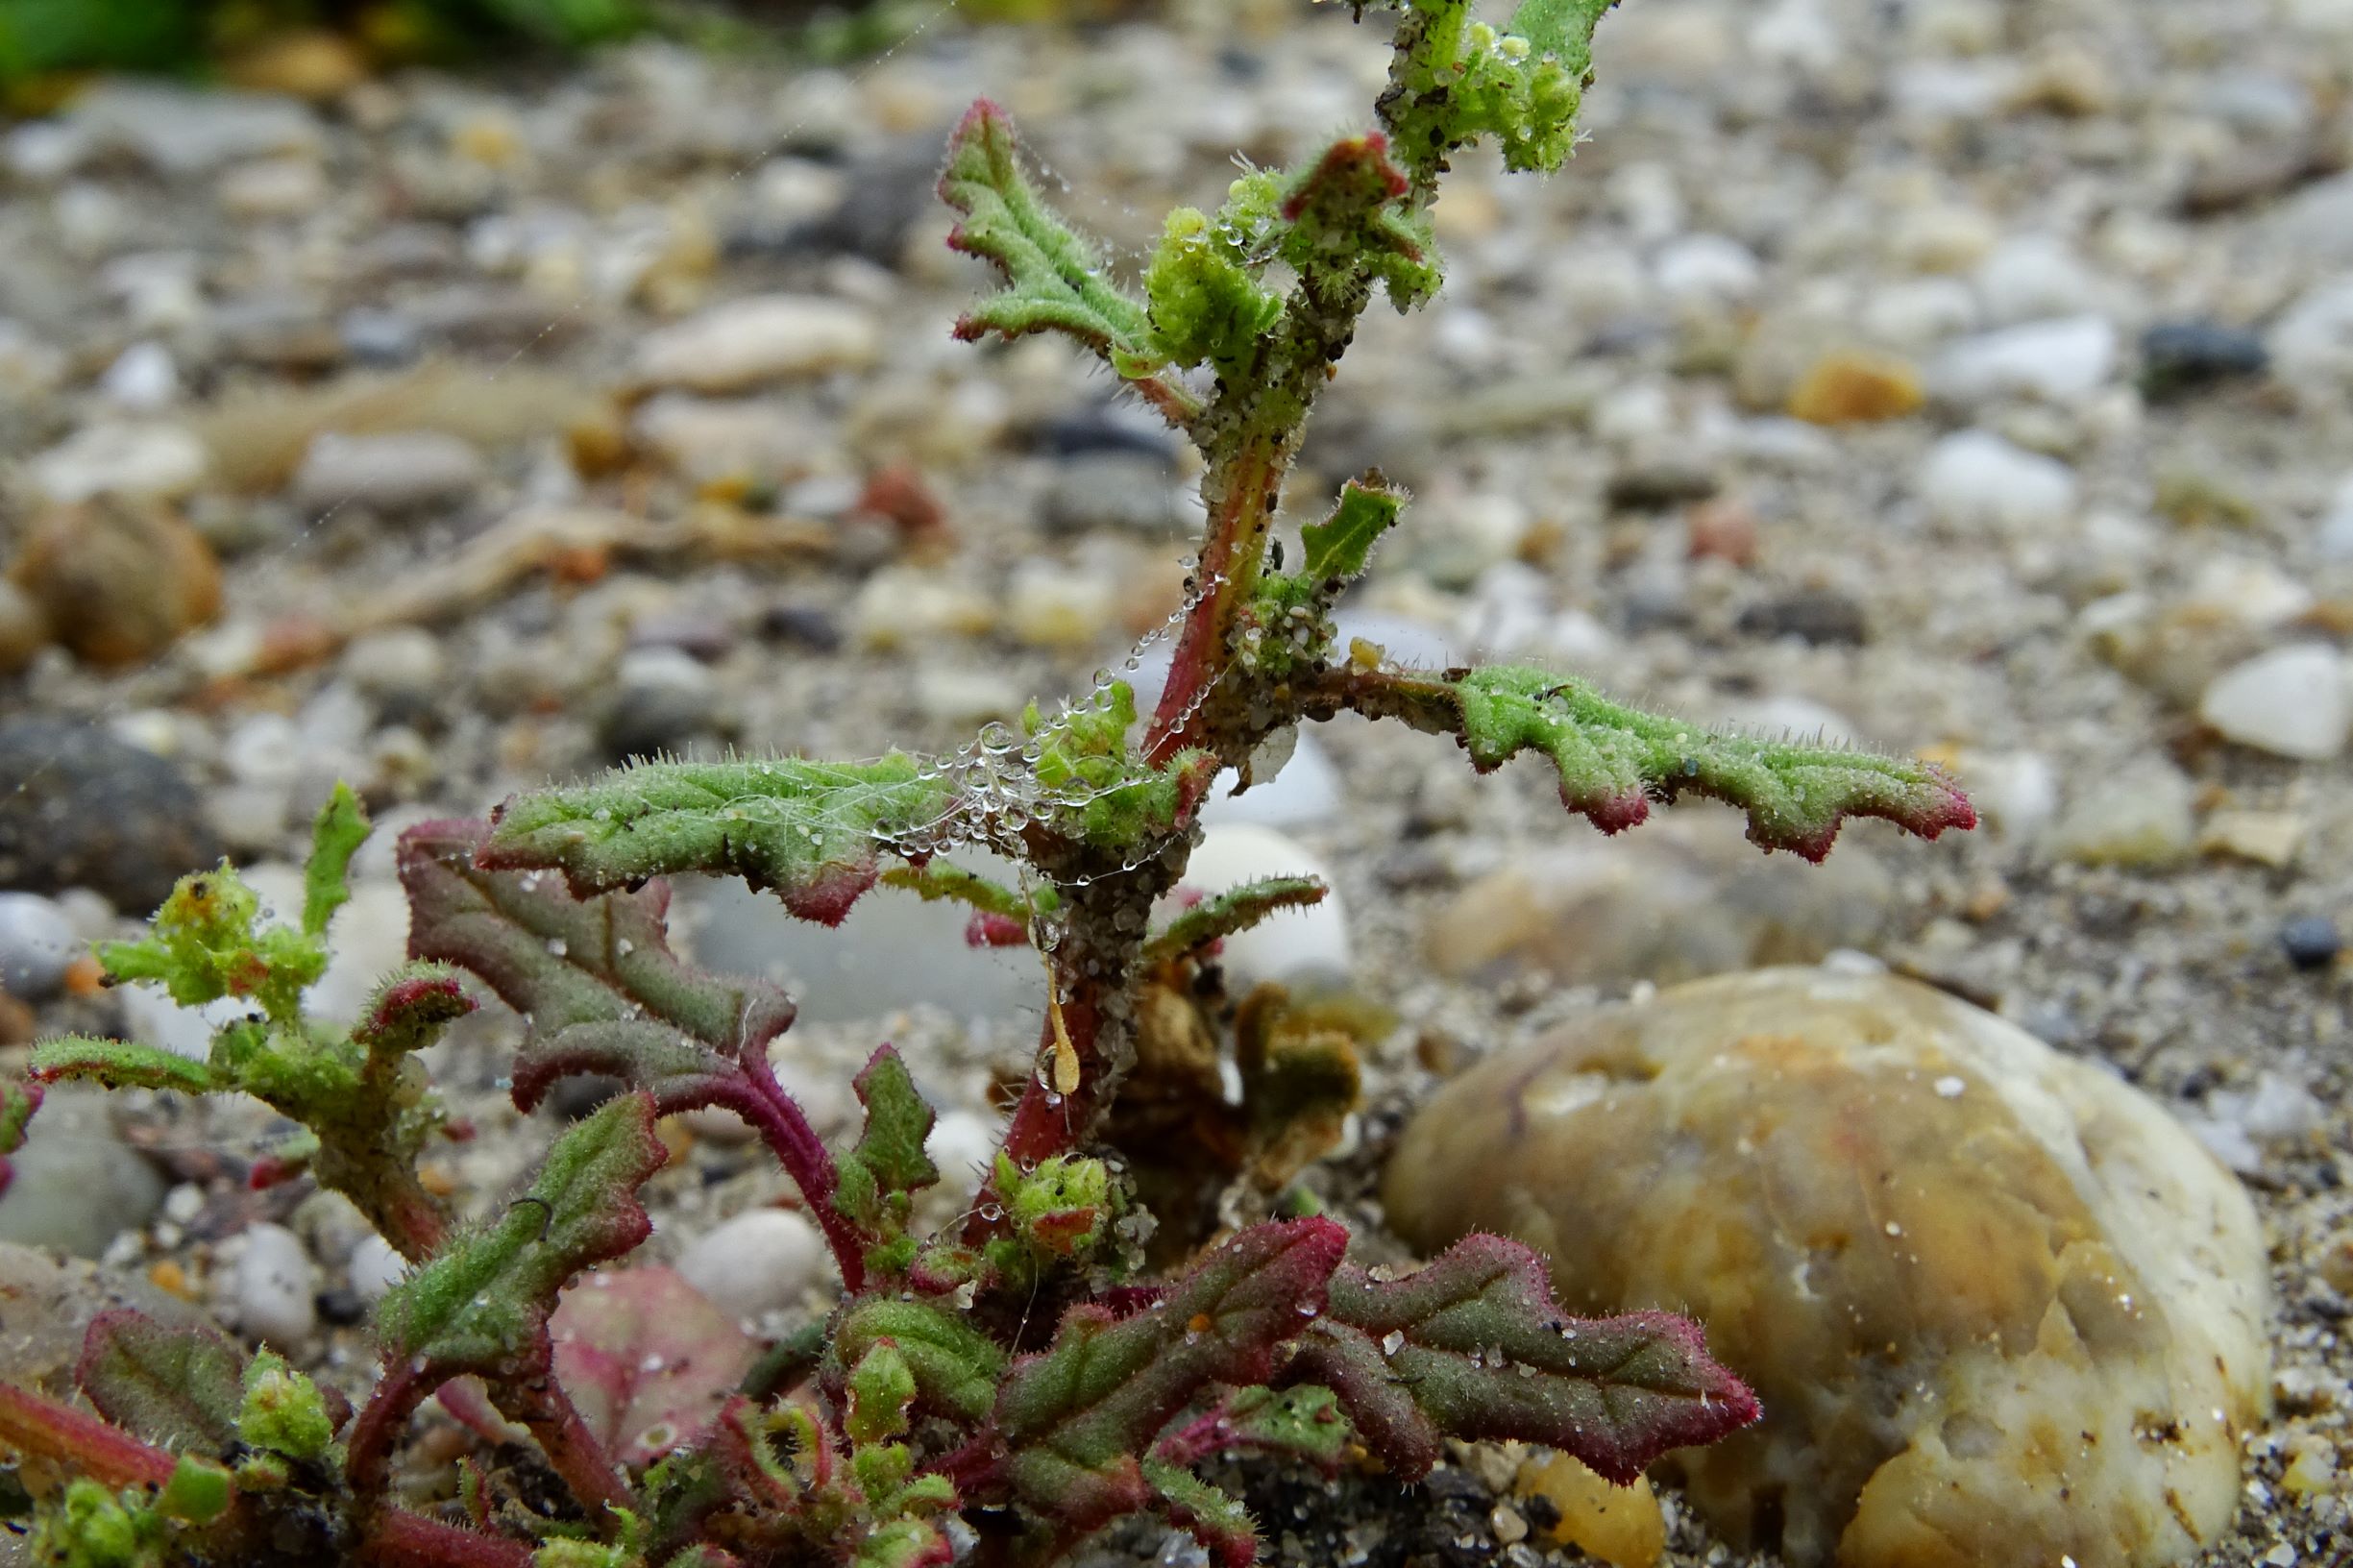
(1473, 1346)
(178, 1386)
(813, 832)
(483, 1303)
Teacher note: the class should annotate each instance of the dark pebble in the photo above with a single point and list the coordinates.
(341, 1307)
(575, 1097)
(80, 808)
(806, 626)
(2178, 358)
(1099, 430)
(1654, 487)
(2311, 942)
(1820, 616)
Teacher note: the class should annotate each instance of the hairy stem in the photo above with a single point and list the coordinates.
(795, 1143)
(571, 1451)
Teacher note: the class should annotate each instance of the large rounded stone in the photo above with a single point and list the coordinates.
(2002, 1310)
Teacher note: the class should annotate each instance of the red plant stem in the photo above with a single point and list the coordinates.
(403, 1539)
(764, 1104)
(367, 1463)
(1044, 1123)
(1243, 490)
(31, 1424)
(1197, 1439)
(412, 1220)
(571, 1451)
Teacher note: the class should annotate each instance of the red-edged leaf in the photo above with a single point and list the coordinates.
(1076, 1417)
(595, 976)
(179, 1387)
(1473, 1346)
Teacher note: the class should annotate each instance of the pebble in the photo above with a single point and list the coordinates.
(1297, 788)
(1686, 897)
(963, 1145)
(2291, 702)
(77, 1185)
(1706, 269)
(761, 1261)
(117, 581)
(858, 970)
(2032, 277)
(181, 130)
(80, 808)
(2064, 360)
(1818, 617)
(37, 945)
(1925, 1286)
(2137, 814)
(1974, 479)
(24, 628)
(2311, 342)
(903, 608)
(707, 439)
(751, 342)
(1051, 607)
(143, 379)
(2016, 793)
(1621, 1525)
(139, 461)
(2184, 356)
(277, 1287)
(398, 665)
(374, 1267)
(662, 696)
(1853, 387)
(2311, 942)
(1297, 946)
(393, 474)
(1122, 490)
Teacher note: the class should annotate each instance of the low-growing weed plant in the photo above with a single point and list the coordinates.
(1003, 1390)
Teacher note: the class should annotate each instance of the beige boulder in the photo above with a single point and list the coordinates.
(2001, 1309)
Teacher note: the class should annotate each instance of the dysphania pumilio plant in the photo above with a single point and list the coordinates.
(1007, 1387)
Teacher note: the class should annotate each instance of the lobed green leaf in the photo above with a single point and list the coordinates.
(1076, 1417)
(957, 1368)
(593, 975)
(1338, 547)
(119, 1063)
(341, 828)
(1472, 1346)
(481, 1304)
(1053, 275)
(1235, 909)
(813, 832)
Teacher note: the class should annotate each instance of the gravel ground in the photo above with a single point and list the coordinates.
(2094, 258)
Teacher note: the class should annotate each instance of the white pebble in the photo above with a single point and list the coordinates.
(373, 1268)
(2059, 361)
(37, 945)
(1305, 788)
(277, 1286)
(1292, 944)
(761, 1259)
(963, 1144)
(744, 343)
(2290, 702)
(1975, 479)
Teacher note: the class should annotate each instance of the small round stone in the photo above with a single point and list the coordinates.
(2311, 942)
(277, 1288)
(37, 945)
(761, 1259)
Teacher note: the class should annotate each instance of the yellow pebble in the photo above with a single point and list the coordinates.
(171, 1279)
(1619, 1525)
(1849, 386)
